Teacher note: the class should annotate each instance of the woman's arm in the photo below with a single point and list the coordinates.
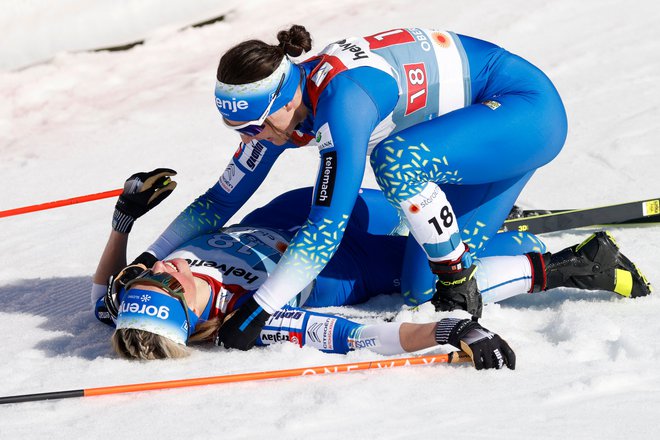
(113, 258)
(142, 192)
(245, 172)
(414, 337)
(343, 145)
(333, 334)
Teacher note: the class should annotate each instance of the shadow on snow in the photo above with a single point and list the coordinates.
(66, 306)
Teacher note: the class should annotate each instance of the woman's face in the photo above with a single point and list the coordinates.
(179, 269)
(279, 125)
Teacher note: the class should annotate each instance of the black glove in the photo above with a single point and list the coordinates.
(146, 258)
(242, 327)
(486, 348)
(142, 191)
(456, 287)
(116, 283)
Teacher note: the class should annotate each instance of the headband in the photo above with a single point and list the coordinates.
(247, 102)
(154, 312)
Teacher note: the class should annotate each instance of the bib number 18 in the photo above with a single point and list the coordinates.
(446, 218)
(417, 87)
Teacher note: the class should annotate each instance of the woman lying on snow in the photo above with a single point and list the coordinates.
(188, 296)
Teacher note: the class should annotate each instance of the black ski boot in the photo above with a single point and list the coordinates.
(595, 264)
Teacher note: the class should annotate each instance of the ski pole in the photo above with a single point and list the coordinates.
(448, 358)
(58, 203)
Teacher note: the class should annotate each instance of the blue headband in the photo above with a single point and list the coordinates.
(247, 102)
(156, 313)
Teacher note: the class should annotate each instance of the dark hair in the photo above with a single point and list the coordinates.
(253, 60)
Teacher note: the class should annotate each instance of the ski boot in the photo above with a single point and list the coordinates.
(595, 264)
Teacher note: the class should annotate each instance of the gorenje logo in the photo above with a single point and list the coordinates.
(162, 312)
(231, 106)
(325, 185)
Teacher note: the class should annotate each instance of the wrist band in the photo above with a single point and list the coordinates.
(122, 222)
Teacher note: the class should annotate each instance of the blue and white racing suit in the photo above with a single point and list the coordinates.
(454, 128)
(244, 255)
(368, 263)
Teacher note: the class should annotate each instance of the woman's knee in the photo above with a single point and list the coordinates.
(403, 165)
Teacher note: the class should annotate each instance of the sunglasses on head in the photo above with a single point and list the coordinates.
(253, 128)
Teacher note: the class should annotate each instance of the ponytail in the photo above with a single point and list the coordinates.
(295, 41)
(253, 60)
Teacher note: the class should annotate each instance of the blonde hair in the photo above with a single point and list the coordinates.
(143, 345)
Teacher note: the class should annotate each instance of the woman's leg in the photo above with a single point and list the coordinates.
(369, 259)
(480, 211)
(455, 178)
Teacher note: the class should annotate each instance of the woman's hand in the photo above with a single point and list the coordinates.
(142, 192)
(242, 327)
(486, 348)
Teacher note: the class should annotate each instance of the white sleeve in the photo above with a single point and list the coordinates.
(380, 338)
(98, 290)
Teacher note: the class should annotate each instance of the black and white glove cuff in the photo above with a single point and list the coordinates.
(443, 329)
(450, 330)
(122, 222)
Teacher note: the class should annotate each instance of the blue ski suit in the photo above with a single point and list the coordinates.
(454, 127)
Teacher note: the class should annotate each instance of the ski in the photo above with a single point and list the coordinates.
(539, 222)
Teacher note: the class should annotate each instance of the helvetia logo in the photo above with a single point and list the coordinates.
(357, 51)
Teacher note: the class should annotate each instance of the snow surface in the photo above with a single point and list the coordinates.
(82, 122)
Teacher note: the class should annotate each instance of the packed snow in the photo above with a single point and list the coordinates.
(75, 122)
